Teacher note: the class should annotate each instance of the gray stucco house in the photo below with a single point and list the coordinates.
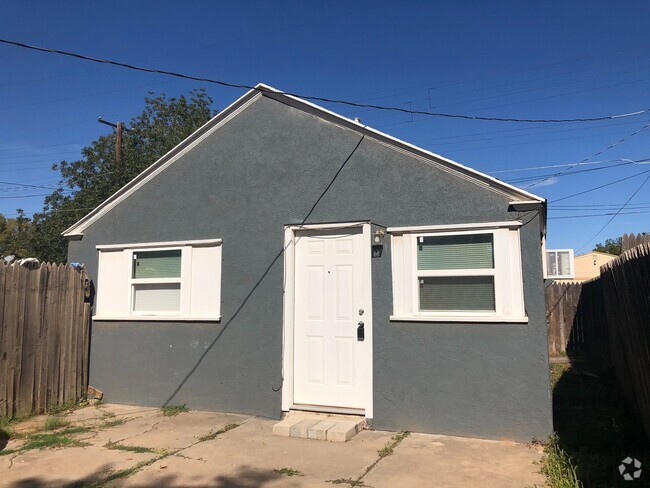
(284, 257)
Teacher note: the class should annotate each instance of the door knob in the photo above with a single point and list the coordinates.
(361, 333)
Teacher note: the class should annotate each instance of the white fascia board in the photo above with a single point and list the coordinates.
(162, 163)
(195, 243)
(451, 227)
(524, 205)
(156, 318)
(332, 225)
(490, 180)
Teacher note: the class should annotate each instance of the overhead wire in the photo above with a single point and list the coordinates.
(584, 216)
(597, 153)
(618, 212)
(316, 98)
(589, 190)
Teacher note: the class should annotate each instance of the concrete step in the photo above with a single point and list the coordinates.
(320, 426)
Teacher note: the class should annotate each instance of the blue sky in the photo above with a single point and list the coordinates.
(544, 59)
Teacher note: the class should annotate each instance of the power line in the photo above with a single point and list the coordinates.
(570, 173)
(309, 97)
(549, 166)
(563, 217)
(599, 187)
(597, 205)
(616, 214)
(27, 185)
(598, 153)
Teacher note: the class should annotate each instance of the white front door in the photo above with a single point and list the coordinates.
(332, 341)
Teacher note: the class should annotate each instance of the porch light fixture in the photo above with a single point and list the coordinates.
(378, 243)
(378, 237)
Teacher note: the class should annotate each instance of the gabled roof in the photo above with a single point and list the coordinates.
(516, 194)
(597, 252)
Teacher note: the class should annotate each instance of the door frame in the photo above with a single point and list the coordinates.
(288, 329)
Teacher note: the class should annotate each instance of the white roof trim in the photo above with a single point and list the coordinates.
(451, 227)
(195, 243)
(239, 105)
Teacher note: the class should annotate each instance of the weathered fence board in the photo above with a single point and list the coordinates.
(564, 331)
(630, 241)
(626, 295)
(43, 336)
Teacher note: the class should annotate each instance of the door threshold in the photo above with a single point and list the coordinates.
(332, 410)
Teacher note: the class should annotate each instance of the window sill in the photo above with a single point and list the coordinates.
(459, 318)
(156, 318)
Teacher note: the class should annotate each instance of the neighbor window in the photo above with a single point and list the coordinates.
(468, 274)
(169, 280)
(559, 264)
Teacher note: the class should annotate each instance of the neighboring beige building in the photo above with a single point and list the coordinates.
(587, 266)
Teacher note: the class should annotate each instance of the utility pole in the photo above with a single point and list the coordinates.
(119, 128)
(118, 143)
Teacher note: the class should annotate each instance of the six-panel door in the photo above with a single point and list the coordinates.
(331, 354)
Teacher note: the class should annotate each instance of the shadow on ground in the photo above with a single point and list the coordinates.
(594, 426)
(245, 477)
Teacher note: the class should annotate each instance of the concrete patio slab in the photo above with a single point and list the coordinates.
(178, 471)
(182, 430)
(251, 456)
(105, 412)
(443, 461)
(254, 445)
(74, 466)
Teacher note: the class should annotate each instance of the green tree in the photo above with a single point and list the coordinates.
(611, 246)
(15, 236)
(87, 182)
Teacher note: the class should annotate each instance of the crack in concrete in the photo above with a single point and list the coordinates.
(138, 467)
(386, 451)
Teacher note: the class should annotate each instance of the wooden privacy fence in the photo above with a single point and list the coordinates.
(626, 294)
(44, 336)
(565, 332)
(629, 241)
(608, 320)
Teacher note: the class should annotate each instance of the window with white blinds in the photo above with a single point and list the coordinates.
(559, 264)
(167, 280)
(456, 272)
(468, 275)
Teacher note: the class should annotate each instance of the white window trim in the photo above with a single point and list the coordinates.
(183, 280)
(507, 272)
(123, 288)
(568, 276)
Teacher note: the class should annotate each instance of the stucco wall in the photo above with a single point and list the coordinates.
(265, 169)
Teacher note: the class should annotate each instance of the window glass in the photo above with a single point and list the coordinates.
(564, 263)
(157, 264)
(157, 297)
(469, 251)
(470, 293)
(551, 263)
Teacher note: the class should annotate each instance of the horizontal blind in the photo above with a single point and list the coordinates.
(457, 293)
(157, 297)
(551, 263)
(157, 264)
(564, 263)
(469, 251)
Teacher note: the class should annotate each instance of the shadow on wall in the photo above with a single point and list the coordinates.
(244, 477)
(594, 426)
